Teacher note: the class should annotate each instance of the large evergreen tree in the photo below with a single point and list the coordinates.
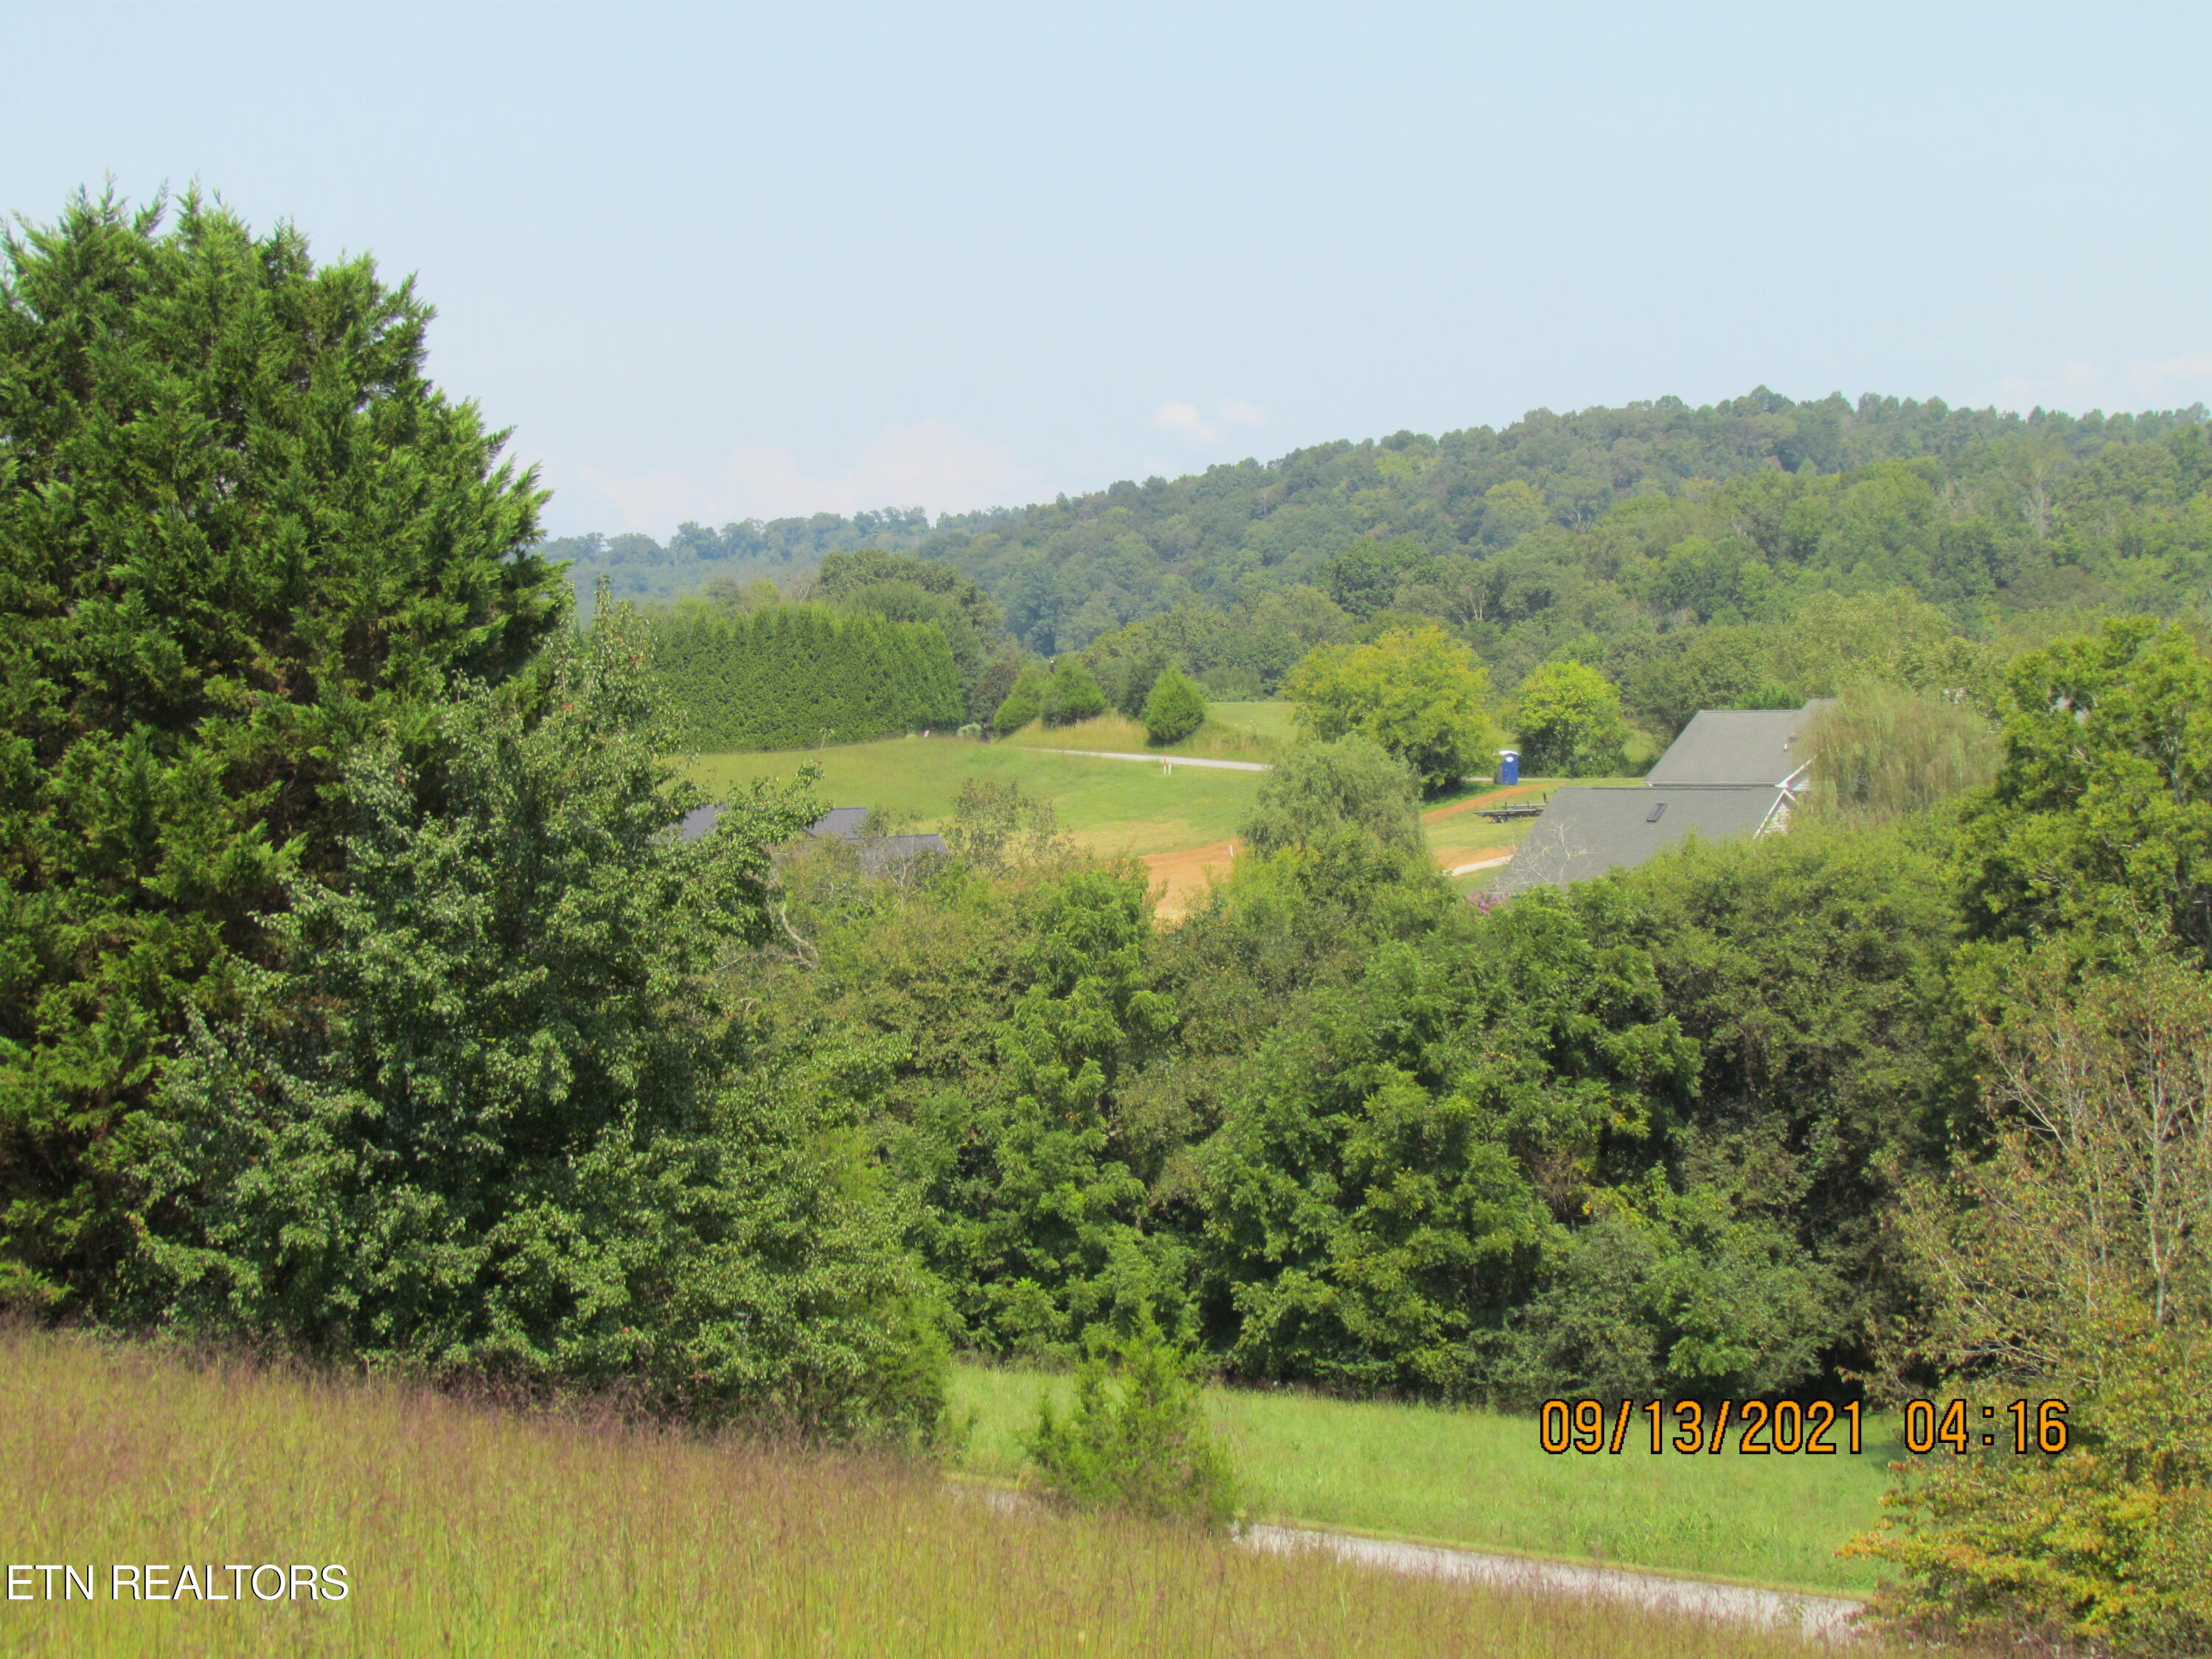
(239, 531)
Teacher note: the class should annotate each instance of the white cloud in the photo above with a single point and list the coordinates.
(2182, 379)
(1185, 420)
(2072, 389)
(929, 464)
(2148, 383)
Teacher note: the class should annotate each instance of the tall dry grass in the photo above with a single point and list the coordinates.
(465, 1529)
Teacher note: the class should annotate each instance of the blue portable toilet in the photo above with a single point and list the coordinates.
(1508, 766)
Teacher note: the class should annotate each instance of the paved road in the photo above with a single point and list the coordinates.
(1824, 1617)
(1821, 1618)
(1490, 863)
(1165, 760)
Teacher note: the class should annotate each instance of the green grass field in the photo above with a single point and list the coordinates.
(1107, 806)
(463, 1529)
(1233, 730)
(1479, 1478)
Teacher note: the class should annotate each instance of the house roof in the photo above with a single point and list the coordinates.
(878, 854)
(1738, 746)
(842, 822)
(1586, 831)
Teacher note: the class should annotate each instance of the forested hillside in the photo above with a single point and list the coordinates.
(1672, 547)
(637, 566)
(1988, 506)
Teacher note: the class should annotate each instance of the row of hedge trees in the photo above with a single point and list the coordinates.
(790, 674)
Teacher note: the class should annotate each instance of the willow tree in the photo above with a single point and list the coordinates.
(240, 532)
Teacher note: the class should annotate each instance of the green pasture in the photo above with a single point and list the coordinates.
(1233, 730)
(1479, 1478)
(1106, 805)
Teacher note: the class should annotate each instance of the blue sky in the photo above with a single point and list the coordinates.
(715, 262)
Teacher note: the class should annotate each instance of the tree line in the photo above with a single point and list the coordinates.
(789, 675)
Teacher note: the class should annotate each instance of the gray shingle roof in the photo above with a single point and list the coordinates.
(1586, 831)
(1738, 745)
(878, 854)
(842, 822)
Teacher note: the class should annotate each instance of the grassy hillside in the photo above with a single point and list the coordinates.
(1236, 731)
(1107, 806)
(1480, 1478)
(462, 1529)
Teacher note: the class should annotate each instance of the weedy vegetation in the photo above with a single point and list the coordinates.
(466, 1527)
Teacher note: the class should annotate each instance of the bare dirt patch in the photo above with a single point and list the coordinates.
(1180, 878)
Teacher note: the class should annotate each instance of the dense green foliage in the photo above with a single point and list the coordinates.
(362, 998)
(1569, 722)
(1419, 694)
(1071, 693)
(488, 1118)
(791, 676)
(1174, 707)
(1595, 534)
(1024, 702)
(1351, 793)
(1136, 1438)
(240, 533)
(2100, 821)
(900, 587)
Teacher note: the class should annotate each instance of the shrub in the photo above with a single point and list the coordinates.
(2106, 1547)
(2072, 1258)
(1318, 789)
(1023, 704)
(1137, 1438)
(1689, 1294)
(1173, 709)
(1071, 694)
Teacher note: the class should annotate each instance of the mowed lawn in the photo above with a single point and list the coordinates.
(1480, 1478)
(1105, 806)
(1117, 806)
(1233, 730)
(460, 1529)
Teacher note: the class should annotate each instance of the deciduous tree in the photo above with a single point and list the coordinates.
(1571, 723)
(1419, 692)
